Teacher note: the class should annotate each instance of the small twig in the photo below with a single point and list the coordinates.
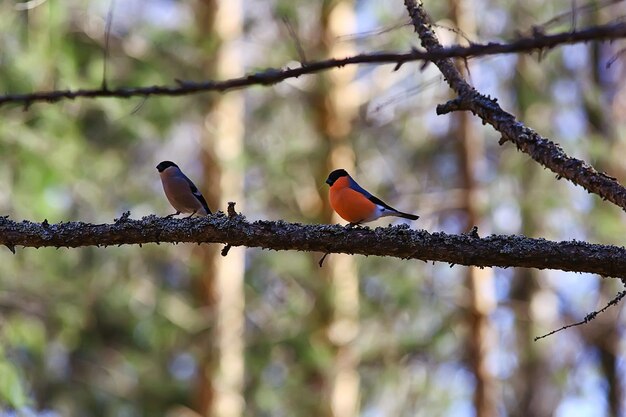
(456, 104)
(226, 249)
(139, 106)
(107, 35)
(593, 5)
(321, 261)
(122, 219)
(273, 76)
(409, 92)
(474, 232)
(615, 57)
(296, 41)
(574, 15)
(231, 209)
(542, 150)
(231, 213)
(588, 317)
(370, 33)
(457, 31)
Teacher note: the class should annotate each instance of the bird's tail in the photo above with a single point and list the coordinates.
(406, 215)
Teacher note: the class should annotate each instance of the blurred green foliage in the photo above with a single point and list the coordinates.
(118, 331)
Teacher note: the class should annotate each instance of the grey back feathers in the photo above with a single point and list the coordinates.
(180, 191)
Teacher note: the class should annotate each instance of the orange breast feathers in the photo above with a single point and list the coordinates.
(351, 205)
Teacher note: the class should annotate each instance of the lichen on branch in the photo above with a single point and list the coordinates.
(395, 241)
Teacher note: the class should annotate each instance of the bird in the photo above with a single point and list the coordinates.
(180, 191)
(355, 204)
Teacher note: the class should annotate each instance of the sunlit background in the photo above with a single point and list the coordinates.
(177, 330)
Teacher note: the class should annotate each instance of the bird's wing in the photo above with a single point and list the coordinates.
(202, 201)
(370, 197)
(356, 187)
(381, 203)
(196, 193)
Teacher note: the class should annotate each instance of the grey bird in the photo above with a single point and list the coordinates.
(180, 191)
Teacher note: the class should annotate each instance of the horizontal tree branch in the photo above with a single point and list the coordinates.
(272, 76)
(541, 149)
(399, 241)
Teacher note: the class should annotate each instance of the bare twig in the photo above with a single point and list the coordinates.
(273, 76)
(107, 36)
(615, 57)
(542, 150)
(588, 317)
(226, 249)
(320, 262)
(371, 33)
(400, 241)
(571, 14)
(296, 40)
(231, 213)
(231, 209)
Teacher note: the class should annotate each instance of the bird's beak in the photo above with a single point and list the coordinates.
(328, 181)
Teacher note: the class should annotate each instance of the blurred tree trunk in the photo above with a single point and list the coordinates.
(221, 371)
(480, 283)
(534, 390)
(604, 335)
(335, 106)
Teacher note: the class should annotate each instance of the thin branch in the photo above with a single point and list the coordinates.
(571, 14)
(542, 150)
(296, 40)
(399, 241)
(107, 37)
(273, 76)
(588, 317)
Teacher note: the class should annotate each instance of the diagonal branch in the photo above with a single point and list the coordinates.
(400, 241)
(273, 76)
(527, 140)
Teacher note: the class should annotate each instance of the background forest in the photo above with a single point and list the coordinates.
(178, 330)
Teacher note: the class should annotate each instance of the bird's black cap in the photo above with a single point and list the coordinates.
(335, 175)
(164, 165)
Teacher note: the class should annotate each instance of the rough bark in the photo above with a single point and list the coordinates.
(542, 150)
(397, 241)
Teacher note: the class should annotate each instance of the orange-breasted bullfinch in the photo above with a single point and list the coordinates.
(355, 204)
(180, 191)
